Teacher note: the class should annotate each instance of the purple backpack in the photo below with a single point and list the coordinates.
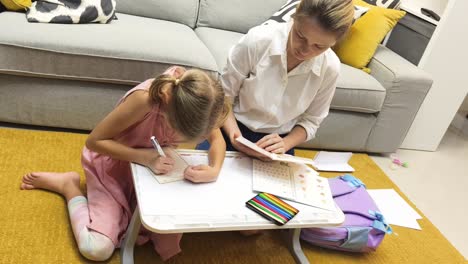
(364, 227)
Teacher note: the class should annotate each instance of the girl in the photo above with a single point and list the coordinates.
(282, 77)
(177, 106)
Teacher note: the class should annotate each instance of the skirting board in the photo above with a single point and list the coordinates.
(460, 123)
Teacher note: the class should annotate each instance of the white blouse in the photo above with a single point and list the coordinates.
(268, 99)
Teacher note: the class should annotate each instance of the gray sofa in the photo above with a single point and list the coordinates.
(71, 76)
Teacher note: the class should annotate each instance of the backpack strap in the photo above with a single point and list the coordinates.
(352, 181)
(343, 185)
(380, 223)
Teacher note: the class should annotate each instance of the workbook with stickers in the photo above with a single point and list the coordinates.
(292, 181)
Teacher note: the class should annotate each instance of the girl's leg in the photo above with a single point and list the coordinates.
(167, 245)
(67, 184)
(92, 245)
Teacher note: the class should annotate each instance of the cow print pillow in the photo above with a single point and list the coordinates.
(287, 10)
(71, 11)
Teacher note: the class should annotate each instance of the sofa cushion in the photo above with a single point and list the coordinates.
(356, 90)
(57, 103)
(237, 16)
(330, 135)
(219, 42)
(181, 11)
(128, 50)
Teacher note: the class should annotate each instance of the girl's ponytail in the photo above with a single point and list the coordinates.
(196, 104)
(155, 90)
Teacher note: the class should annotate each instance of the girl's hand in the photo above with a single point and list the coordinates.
(201, 173)
(163, 165)
(272, 143)
(159, 164)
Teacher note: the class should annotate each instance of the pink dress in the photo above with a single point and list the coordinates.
(110, 190)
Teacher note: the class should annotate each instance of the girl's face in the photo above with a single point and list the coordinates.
(307, 39)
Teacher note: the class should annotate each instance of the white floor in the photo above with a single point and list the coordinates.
(437, 182)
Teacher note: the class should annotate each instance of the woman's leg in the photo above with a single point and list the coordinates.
(246, 133)
(205, 145)
(92, 245)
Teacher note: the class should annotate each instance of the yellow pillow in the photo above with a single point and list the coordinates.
(16, 5)
(358, 47)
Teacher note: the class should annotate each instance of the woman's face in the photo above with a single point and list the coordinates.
(307, 39)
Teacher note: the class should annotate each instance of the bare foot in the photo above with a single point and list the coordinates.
(66, 184)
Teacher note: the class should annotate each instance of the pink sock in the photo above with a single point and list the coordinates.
(79, 214)
(92, 245)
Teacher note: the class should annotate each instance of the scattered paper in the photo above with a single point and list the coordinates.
(333, 161)
(395, 209)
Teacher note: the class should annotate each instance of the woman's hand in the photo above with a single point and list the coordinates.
(201, 173)
(272, 143)
(246, 150)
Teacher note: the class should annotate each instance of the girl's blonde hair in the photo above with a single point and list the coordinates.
(333, 15)
(197, 103)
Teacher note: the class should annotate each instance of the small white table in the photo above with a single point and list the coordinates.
(182, 207)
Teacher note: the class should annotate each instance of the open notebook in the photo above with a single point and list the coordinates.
(181, 161)
(273, 156)
(177, 174)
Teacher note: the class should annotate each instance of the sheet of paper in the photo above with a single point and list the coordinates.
(273, 156)
(395, 209)
(194, 159)
(226, 196)
(333, 161)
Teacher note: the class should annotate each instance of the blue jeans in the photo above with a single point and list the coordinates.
(246, 133)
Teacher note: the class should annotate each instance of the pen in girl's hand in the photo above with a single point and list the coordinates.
(157, 147)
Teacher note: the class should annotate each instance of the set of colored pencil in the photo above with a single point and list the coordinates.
(272, 208)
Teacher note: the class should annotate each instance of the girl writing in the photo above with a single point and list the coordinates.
(178, 106)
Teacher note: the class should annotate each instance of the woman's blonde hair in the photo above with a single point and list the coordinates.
(333, 15)
(197, 103)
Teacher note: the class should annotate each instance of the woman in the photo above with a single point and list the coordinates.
(282, 77)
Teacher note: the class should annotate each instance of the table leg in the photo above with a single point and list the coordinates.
(294, 245)
(126, 250)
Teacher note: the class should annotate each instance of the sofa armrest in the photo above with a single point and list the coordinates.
(406, 87)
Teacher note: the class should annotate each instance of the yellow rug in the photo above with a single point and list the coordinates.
(35, 227)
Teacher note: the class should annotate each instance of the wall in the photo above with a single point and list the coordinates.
(437, 6)
(445, 59)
